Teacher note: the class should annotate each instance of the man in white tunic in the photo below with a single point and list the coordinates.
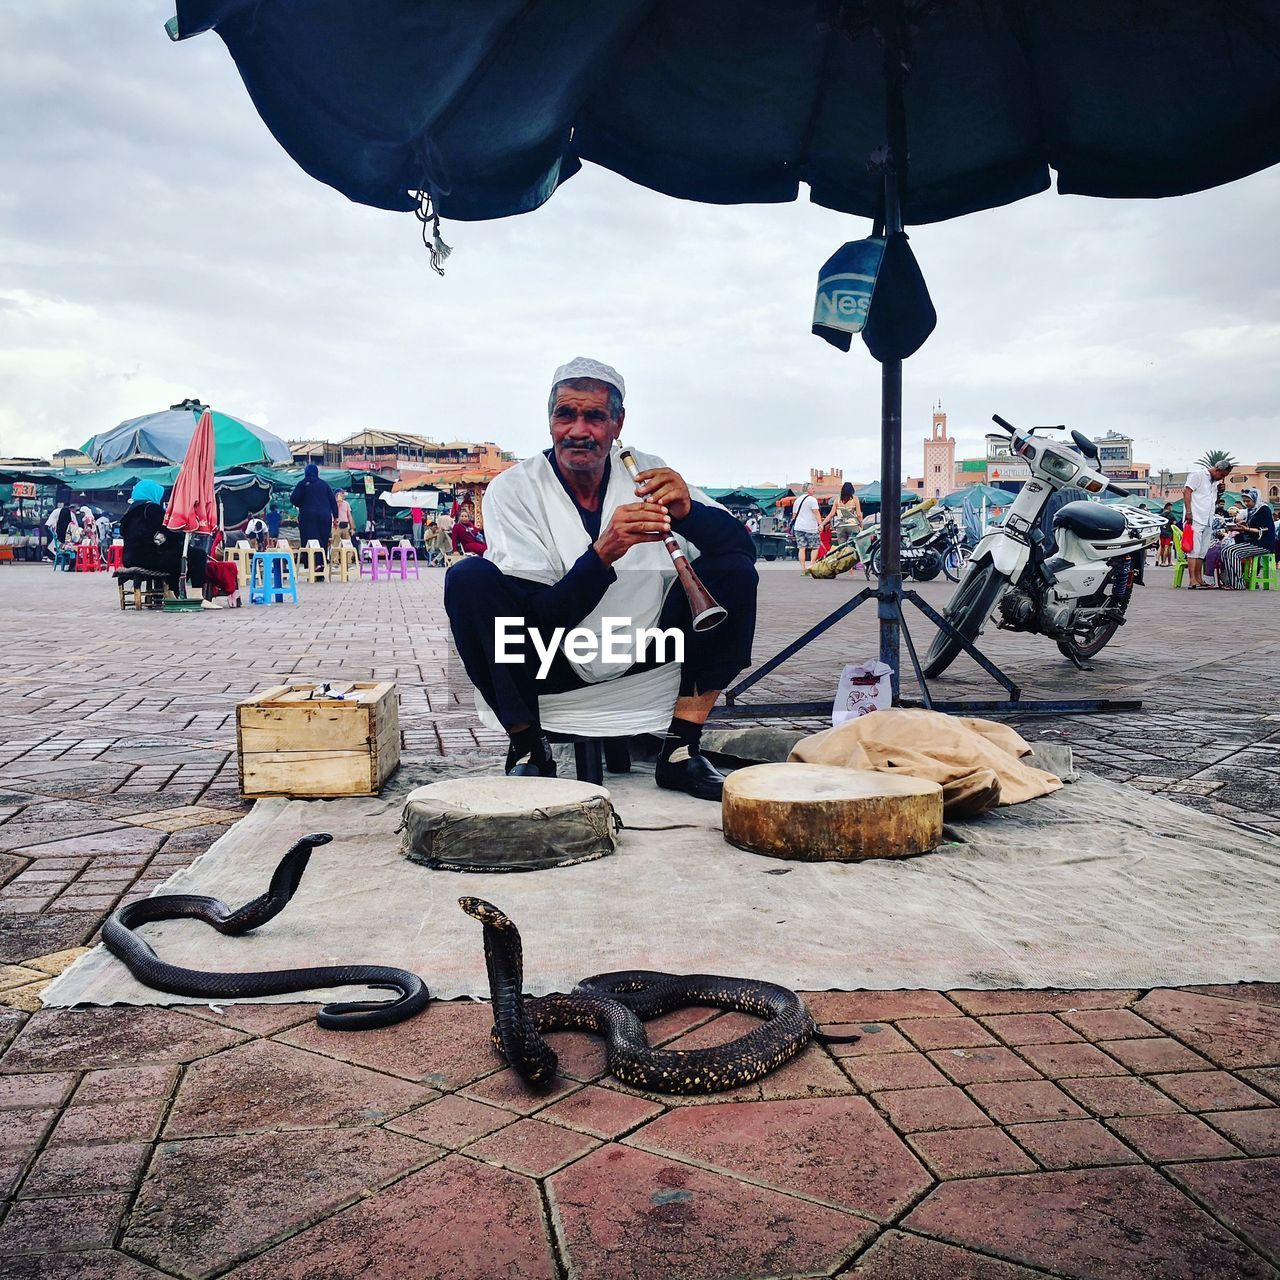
(575, 544)
(1198, 500)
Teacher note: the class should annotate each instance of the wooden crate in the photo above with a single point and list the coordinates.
(289, 744)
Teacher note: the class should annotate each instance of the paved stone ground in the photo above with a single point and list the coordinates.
(995, 1135)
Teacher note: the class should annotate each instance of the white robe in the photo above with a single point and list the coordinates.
(534, 531)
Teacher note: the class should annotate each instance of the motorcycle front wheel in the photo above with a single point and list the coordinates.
(970, 607)
(954, 561)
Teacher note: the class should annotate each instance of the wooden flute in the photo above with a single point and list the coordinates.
(702, 605)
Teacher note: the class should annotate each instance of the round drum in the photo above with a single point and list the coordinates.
(823, 813)
(507, 824)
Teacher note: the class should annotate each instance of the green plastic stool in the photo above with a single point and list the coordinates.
(1259, 573)
(1180, 565)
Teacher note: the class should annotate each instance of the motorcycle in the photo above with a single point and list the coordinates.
(931, 544)
(1059, 565)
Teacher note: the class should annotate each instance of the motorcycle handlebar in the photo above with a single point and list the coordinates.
(1118, 491)
(1000, 422)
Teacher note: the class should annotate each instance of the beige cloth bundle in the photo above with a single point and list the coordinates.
(976, 762)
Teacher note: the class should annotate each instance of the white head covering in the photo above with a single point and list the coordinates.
(585, 367)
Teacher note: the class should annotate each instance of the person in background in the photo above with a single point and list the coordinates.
(102, 525)
(845, 516)
(317, 509)
(1199, 498)
(805, 524)
(418, 518)
(1165, 555)
(1255, 535)
(466, 535)
(345, 521)
(256, 531)
(273, 521)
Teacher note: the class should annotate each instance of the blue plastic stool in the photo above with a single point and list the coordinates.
(272, 578)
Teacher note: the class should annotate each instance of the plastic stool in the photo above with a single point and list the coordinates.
(343, 558)
(242, 553)
(65, 559)
(405, 555)
(1259, 573)
(1180, 566)
(311, 562)
(370, 554)
(263, 589)
(88, 558)
(115, 555)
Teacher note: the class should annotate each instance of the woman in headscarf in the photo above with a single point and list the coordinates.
(150, 550)
(1255, 536)
(317, 509)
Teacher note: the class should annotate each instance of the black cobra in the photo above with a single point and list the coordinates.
(150, 970)
(613, 1005)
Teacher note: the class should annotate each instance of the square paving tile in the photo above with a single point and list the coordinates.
(1120, 1096)
(110, 1121)
(604, 1113)
(981, 1003)
(507, 1089)
(1109, 1024)
(532, 1147)
(877, 1006)
(873, 1037)
(1209, 1091)
(915, 1110)
(945, 1033)
(973, 1066)
(1243, 1193)
(119, 1084)
(970, 1153)
(66, 1169)
(876, 1071)
(1011, 1102)
(42, 1089)
(1059, 1061)
(1157, 1054)
(1030, 1028)
(65, 1222)
(1231, 1033)
(1072, 1144)
(452, 1121)
(1258, 1132)
(1177, 1137)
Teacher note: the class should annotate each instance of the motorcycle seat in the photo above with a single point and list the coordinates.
(1090, 520)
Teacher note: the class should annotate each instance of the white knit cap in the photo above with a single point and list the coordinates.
(585, 367)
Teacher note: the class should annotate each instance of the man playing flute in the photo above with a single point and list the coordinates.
(574, 546)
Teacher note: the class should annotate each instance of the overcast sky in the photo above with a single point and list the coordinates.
(156, 243)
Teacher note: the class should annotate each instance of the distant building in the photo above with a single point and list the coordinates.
(938, 478)
(403, 451)
(71, 458)
(1115, 458)
(1005, 469)
(826, 484)
(324, 453)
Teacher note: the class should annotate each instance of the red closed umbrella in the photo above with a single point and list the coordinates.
(192, 505)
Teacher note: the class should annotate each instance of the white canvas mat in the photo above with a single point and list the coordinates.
(1098, 885)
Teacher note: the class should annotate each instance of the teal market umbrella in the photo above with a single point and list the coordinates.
(481, 110)
(164, 437)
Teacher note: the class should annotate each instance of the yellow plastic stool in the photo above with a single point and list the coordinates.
(242, 554)
(343, 560)
(312, 564)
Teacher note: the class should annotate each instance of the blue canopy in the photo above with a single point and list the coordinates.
(976, 492)
(489, 105)
(164, 437)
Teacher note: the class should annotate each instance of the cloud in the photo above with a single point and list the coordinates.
(158, 243)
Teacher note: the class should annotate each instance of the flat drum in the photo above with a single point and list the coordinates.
(507, 824)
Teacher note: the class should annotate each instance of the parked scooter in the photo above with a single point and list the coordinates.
(931, 544)
(1059, 565)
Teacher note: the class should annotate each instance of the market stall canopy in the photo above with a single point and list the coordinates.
(491, 105)
(977, 493)
(870, 493)
(766, 499)
(428, 499)
(164, 437)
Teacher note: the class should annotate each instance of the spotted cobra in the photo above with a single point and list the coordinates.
(141, 961)
(613, 1005)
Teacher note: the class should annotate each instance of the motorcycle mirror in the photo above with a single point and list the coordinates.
(1085, 445)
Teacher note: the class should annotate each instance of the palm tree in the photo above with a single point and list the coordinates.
(1216, 458)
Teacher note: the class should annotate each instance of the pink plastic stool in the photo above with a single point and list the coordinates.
(404, 555)
(370, 554)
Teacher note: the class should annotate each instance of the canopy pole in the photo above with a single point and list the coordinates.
(889, 592)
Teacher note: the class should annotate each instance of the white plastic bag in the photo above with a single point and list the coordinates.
(863, 687)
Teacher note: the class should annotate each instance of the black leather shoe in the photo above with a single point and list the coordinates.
(696, 777)
(538, 764)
